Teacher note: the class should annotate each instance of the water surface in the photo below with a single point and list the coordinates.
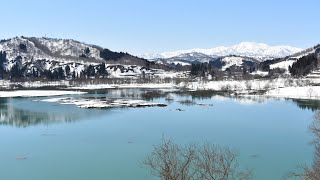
(66, 142)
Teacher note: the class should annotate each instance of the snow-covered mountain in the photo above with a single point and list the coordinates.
(35, 56)
(60, 50)
(257, 51)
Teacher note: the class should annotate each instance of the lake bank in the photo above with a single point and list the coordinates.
(278, 88)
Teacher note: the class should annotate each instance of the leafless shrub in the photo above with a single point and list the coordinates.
(226, 87)
(170, 161)
(248, 85)
(267, 86)
(313, 172)
(310, 92)
(215, 162)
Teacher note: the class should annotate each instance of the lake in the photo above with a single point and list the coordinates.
(47, 140)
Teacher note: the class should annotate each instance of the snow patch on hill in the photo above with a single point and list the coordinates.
(282, 65)
(67, 47)
(230, 61)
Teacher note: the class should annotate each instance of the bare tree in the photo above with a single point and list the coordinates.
(248, 85)
(218, 163)
(310, 92)
(170, 161)
(313, 172)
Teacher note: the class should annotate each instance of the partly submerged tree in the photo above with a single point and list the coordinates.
(170, 161)
(312, 172)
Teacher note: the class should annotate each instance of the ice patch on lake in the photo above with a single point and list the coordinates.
(104, 102)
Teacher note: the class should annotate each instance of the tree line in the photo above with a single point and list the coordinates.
(305, 65)
(3, 59)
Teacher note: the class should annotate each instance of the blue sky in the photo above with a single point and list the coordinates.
(138, 26)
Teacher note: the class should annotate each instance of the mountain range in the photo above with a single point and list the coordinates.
(258, 51)
(42, 57)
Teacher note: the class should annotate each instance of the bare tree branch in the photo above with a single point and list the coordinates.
(170, 161)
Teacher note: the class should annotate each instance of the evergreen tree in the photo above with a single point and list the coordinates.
(73, 74)
(87, 51)
(90, 71)
(16, 71)
(23, 47)
(35, 73)
(60, 72)
(244, 72)
(67, 69)
(304, 65)
(3, 59)
(106, 54)
(102, 69)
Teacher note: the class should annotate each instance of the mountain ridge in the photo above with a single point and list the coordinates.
(48, 57)
(259, 51)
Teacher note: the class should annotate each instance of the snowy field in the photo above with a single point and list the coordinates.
(37, 93)
(281, 88)
(308, 92)
(119, 86)
(247, 85)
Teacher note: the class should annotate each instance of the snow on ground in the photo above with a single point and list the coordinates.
(104, 103)
(230, 61)
(307, 88)
(260, 73)
(5, 84)
(115, 86)
(37, 93)
(35, 84)
(279, 88)
(172, 74)
(68, 47)
(308, 92)
(180, 62)
(313, 76)
(283, 65)
(239, 86)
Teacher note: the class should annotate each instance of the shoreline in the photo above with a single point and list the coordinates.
(275, 88)
(38, 93)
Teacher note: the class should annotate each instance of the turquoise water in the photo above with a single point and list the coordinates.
(65, 142)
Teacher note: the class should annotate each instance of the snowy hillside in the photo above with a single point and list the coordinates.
(36, 57)
(45, 48)
(67, 47)
(187, 59)
(288, 61)
(258, 51)
(230, 61)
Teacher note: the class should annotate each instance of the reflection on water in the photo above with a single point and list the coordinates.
(23, 112)
(307, 104)
(24, 115)
(193, 96)
(271, 135)
(311, 172)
